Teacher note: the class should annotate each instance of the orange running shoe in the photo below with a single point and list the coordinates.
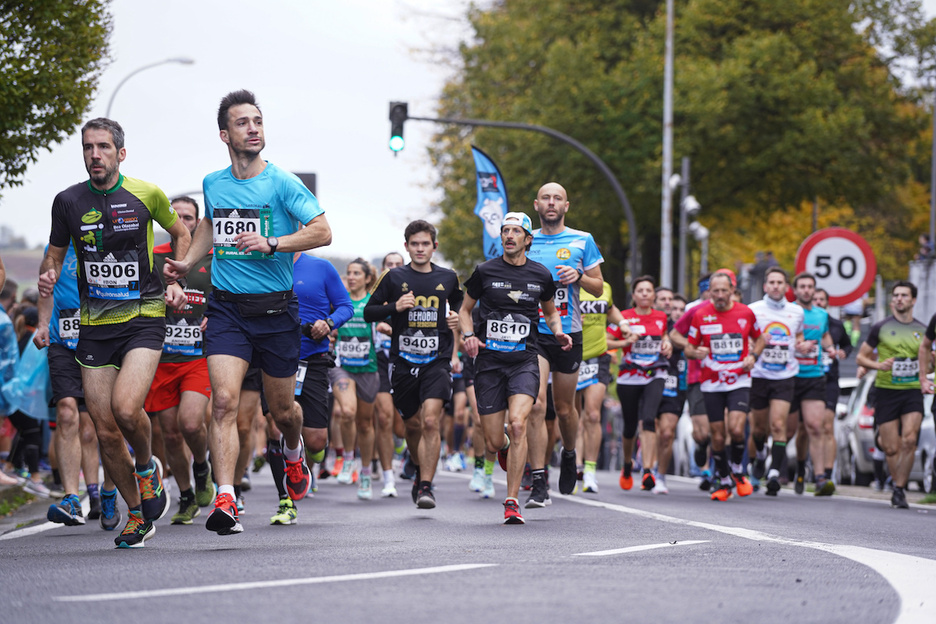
(627, 480)
(336, 468)
(742, 485)
(721, 493)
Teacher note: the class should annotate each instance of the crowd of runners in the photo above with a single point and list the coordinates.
(243, 348)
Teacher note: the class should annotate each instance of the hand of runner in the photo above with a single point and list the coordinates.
(174, 270)
(567, 275)
(472, 345)
(452, 320)
(666, 349)
(804, 347)
(204, 324)
(252, 241)
(406, 302)
(456, 364)
(384, 328)
(697, 353)
(565, 341)
(840, 354)
(175, 296)
(319, 330)
(47, 283)
(41, 337)
(926, 386)
(748, 362)
(886, 365)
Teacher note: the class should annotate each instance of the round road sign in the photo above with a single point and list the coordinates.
(842, 262)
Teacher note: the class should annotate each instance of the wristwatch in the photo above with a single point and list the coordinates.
(273, 242)
(330, 323)
(468, 335)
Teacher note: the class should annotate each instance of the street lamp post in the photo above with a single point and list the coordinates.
(181, 60)
(666, 221)
(701, 234)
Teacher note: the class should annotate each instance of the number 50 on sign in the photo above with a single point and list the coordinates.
(842, 262)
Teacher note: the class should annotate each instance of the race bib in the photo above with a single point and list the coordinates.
(69, 325)
(420, 347)
(727, 348)
(826, 361)
(588, 374)
(183, 339)
(560, 300)
(300, 376)
(646, 351)
(227, 223)
(354, 352)
(670, 386)
(905, 371)
(507, 335)
(775, 358)
(114, 276)
(811, 358)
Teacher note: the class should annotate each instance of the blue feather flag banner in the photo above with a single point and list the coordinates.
(492, 202)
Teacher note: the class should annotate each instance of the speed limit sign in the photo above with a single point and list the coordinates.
(842, 262)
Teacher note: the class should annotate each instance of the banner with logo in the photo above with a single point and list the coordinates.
(492, 202)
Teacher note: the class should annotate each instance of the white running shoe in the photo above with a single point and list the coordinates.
(364, 488)
(589, 483)
(488, 491)
(389, 490)
(660, 486)
(477, 480)
(346, 476)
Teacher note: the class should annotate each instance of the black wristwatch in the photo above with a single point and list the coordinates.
(330, 323)
(273, 242)
(468, 335)
(581, 275)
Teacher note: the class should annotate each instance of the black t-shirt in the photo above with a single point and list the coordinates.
(508, 299)
(677, 369)
(841, 341)
(420, 334)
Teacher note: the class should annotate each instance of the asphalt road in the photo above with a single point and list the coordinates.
(613, 556)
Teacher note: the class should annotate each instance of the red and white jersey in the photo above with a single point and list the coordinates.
(726, 334)
(642, 362)
(780, 322)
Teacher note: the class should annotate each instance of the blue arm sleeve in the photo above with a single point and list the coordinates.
(338, 297)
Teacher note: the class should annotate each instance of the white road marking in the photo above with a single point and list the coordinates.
(630, 549)
(186, 591)
(45, 526)
(911, 577)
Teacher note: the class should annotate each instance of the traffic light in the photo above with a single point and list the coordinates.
(398, 114)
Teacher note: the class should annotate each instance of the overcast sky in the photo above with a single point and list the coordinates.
(324, 73)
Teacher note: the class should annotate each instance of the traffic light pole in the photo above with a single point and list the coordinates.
(622, 197)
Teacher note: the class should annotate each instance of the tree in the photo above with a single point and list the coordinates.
(52, 55)
(777, 103)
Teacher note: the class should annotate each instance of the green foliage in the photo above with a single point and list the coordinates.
(53, 53)
(776, 103)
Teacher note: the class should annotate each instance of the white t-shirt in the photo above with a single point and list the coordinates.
(779, 324)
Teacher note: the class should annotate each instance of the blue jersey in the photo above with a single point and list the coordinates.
(815, 326)
(274, 203)
(66, 306)
(321, 295)
(572, 248)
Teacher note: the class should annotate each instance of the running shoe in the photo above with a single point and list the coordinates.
(38, 488)
(648, 482)
(337, 466)
(477, 480)
(67, 512)
(286, 514)
(660, 486)
(239, 502)
(722, 492)
(627, 480)
(136, 532)
(759, 468)
(706, 483)
(899, 499)
(298, 479)
(409, 468)
(258, 462)
(426, 499)
(773, 486)
(245, 482)
(742, 485)
(153, 495)
(589, 483)
(415, 491)
(824, 487)
(799, 486)
(223, 519)
(487, 491)
(188, 511)
(110, 515)
(526, 482)
(94, 507)
(538, 495)
(364, 488)
(512, 512)
(567, 471)
(205, 490)
(389, 490)
(346, 474)
(502, 453)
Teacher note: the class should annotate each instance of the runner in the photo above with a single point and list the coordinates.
(355, 382)
(641, 379)
(595, 374)
(109, 220)
(179, 394)
(509, 291)
(386, 414)
(254, 213)
(720, 334)
(903, 350)
(574, 261)
(75, 443)
(415, 298)
(674, 390)
(774, 375)
(830, 365)
(809, 393)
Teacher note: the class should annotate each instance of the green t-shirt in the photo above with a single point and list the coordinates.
(900, 341)
(355, 343)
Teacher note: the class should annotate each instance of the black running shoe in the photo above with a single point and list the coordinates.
(537, 495)
(426, 499)
(759, 469)
(415, 483)
(94, 512)
(136, 532)
(899, 499)
(648, 482)
(773, 486)
(409, 467)
(567, 472)
(153, 495)
(799, 486)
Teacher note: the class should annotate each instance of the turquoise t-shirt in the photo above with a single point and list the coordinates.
(815, 326)
(66, 307)
(274, 203)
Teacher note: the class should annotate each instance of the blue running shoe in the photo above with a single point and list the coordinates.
(67, 512)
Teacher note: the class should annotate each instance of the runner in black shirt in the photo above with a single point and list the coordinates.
(830, 364)
(416, 297)
(510, 290)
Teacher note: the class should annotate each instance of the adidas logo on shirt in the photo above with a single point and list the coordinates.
(110, 258)
(234, 214)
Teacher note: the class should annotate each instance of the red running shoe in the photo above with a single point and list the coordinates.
(742, 485)
(512, 512)
(298, 478)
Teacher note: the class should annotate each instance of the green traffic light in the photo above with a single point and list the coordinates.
(396, 143)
